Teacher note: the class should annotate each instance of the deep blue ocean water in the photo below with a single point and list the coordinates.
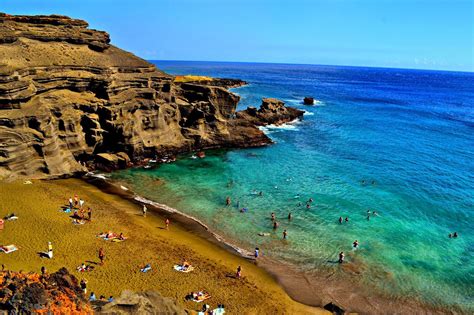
(398, 142)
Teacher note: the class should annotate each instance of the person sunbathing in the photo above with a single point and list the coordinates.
(185, 264)
(146, 268)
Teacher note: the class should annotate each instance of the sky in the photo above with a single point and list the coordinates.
(417, 34)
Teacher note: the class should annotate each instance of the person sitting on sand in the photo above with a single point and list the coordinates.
(92, 297)
(341, 257)
(122, 237)
(185, 264)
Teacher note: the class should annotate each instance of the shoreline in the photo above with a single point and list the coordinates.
(314, 290)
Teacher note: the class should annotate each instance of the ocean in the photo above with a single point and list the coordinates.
(398, 142)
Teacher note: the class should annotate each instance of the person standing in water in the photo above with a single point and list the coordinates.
(227, 201)
(273, 216)
(341, 257)
(285, 234)
(144, 210)
(289, 216)
(347, 219)
(275, 225)
(355, 244)
(340, 220)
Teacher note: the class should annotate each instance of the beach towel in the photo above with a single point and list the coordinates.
(67, 210)
(78, 222)
(7, 249)
(146, 268)
(180, 268)
(11, 218)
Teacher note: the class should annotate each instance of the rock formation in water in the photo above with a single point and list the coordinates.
(70, 101)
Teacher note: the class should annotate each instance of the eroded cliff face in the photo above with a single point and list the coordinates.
(67, 95)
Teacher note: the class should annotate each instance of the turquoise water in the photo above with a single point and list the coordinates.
(408, 134)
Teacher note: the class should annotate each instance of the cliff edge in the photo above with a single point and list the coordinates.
(67, 95)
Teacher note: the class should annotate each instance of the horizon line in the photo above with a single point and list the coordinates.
(314, 64)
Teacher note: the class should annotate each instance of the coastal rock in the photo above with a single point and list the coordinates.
(27, 293)
(140, 303)
(308, 101)
(272, 111)
(70, 102)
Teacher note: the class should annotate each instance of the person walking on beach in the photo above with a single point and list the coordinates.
(50, 250)
(101, 255)
(89, 214)
(167, 222)
(238, 274)
(285, 234)
(227, 201)
(341, 257)
(144, 210)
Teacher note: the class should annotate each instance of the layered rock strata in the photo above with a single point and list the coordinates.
(68, 98)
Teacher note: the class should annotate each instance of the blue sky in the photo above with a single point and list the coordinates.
(428, 34)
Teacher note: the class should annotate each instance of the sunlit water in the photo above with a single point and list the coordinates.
(408, 134)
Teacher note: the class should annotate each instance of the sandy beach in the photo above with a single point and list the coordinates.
(38, 206)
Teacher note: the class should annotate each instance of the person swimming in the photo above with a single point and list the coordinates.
(355, 244)
(285, 234)
(275, 225)
(455, 234)
(310, 200)
(346, 219)
(375, 213)
(308, 206)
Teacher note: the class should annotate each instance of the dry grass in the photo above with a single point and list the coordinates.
(40, 220)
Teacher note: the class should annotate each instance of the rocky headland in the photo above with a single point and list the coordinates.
(71, 102)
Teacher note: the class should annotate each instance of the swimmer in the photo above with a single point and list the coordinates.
(347, 219)
(450, 235)
(289, 216)
(341, 257)
(375, 213)
(285, 234)
(368, 217)
(340, 220)
(275, 225)
(308, 206)
(355, 244)
(373, 182)
(296, 196)
(455, 234)
(310, 200)
(260, 193)
(363, 182)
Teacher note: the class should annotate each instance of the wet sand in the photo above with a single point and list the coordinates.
(40, 220)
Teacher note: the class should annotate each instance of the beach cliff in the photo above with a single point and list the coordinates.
(70, 102)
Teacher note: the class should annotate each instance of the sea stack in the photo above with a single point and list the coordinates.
(308, 100)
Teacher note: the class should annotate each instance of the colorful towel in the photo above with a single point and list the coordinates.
(7, 249)
(180, 268)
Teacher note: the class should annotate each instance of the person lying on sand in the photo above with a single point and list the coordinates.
(85, 268)
(185, 264)
(198, 296)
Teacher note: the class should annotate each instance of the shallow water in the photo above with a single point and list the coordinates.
(408, 134)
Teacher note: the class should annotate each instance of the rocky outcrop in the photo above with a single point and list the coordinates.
(29, 293)
(70, 101)
(272, 111)
(139, 303)
(308, 100)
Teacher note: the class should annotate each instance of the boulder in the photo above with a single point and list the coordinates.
(308, 101)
